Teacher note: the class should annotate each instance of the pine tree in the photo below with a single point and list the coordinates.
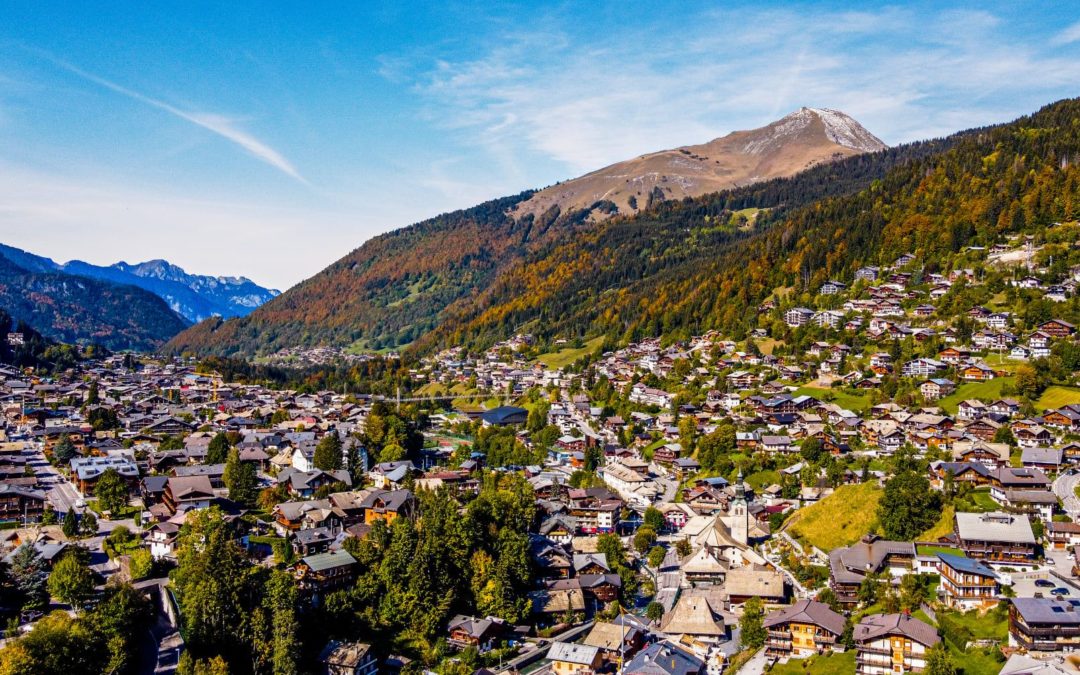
(328, 453)
(70, 527)
(218, 449)
(30, 574)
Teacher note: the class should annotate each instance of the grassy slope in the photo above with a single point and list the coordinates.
(565, 357)
(943, 526)
(840, 519)
(1055, 397)
(987, 390)
(850, 402)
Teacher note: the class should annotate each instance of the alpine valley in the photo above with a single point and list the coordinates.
(666, 245)
(122, 306)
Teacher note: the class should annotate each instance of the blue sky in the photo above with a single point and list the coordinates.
(271, 139)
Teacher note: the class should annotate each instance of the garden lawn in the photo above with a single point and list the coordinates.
(565, 357)
(826, 664)
(840, 519)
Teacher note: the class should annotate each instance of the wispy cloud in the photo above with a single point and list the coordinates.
(223, 126)
(588, 101)
(1067, 36)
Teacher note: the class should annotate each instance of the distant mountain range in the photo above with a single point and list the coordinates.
(194, 297)
(77, 309)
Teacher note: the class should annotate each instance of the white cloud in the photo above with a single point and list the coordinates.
(1067, 36)
(219, 124)
(587, 103)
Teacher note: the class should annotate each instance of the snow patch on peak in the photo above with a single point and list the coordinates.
(842, 129)
(839, 128)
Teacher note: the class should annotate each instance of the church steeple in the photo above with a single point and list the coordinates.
(739, 514)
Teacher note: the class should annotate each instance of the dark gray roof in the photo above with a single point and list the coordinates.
(810, 612)
(664, 658)
(1048, 611)
(881, 625)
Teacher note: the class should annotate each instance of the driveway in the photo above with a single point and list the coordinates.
(756, 664)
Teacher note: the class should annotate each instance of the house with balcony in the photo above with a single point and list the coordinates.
(996, 537)
(892, 643)
(966, 583)
(1044, 624)
(803, 629)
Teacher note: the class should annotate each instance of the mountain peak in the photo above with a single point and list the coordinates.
(794, 143)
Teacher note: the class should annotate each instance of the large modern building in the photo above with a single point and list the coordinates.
(892, 643)
(996, 537)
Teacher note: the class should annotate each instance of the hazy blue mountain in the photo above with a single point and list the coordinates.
(70, 308)
(193, 296)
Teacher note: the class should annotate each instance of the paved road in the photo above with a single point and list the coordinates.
(1064, 488)
(61, 493)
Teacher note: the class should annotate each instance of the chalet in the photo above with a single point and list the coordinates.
(193, 492)
(1047, 459)
(804, 629)
(1063, 536)
(325, 572)
(1037, 503)
(1032, 436)
(971, 409)
(19, 503)
(848, 567)
(832, 287)
(482, 634)
(388, 505)
(664, 658)
(1063, 418)
(996, 537)
(953, 355)
(1056, 328)
(936, 388)
(966, 583)
(892, 643)
(1044, 624)
(977, 372)
(616, 641)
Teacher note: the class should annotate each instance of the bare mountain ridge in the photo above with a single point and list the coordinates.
(794, 143)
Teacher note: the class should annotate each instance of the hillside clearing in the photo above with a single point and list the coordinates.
(840, 519)
(568, 355)
(984, 390)
(1057, 396)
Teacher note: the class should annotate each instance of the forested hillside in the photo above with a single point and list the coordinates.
(386, 293)
(680, 267)
(678, 270)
